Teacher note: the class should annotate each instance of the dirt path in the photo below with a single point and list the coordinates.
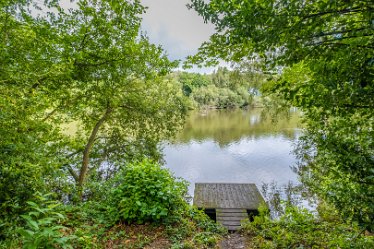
(234, 241)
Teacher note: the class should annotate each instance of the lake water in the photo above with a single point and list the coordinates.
(234, 146)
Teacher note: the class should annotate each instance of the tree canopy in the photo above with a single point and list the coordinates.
(223, 88)
(322, 55)
(88, 68)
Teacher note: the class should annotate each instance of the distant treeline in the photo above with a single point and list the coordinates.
(223, 88)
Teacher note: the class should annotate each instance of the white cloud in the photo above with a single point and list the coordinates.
(178, 30)
(172, 25)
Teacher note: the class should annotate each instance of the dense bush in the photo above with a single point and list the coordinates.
(145, 191)
(220, 97)
(223, 88)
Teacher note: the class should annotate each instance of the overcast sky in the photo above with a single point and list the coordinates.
(178, 30)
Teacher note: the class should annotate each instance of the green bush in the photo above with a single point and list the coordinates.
(145, 191)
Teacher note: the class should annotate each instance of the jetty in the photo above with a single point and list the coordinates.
(228, 203)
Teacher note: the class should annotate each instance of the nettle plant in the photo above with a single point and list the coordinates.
(146, 192)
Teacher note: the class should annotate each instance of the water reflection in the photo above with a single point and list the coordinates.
(278, 197)
(227, 126)
(236, 146)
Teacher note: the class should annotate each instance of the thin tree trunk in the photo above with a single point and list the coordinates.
(87, 150)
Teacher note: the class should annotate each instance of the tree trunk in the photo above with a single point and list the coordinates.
(87, 150)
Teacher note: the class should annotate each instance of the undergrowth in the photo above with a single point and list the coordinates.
(142, 206)
(299, 228)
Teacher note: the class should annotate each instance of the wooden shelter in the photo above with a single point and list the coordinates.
(228, 203)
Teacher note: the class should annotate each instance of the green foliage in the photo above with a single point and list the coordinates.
(42, 225)
(193, 80)
(320, 54)
(25, 166)
(145, 191)
(89, 67)
(92, 227)
(221, 89)
(298, 228)
(220, 97)
(339, 135)
(194, 229)
(283, 32)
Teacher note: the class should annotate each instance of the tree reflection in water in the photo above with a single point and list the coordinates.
(278, 197)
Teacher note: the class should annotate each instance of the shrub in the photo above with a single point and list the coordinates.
(145, 191)
(42, 225)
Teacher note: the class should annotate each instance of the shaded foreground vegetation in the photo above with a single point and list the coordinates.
(298, 228)
(142, 206)
(285, 222)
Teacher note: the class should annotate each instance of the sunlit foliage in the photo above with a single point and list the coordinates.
(87, 68)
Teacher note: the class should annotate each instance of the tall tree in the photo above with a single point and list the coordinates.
(114, 76)
(89, 68)
(325, 53)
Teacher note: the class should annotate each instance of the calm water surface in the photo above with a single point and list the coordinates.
(234, 146)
